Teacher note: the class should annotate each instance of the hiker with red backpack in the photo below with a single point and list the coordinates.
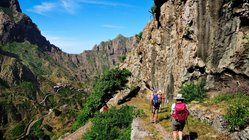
(180, 113)
(155, 101)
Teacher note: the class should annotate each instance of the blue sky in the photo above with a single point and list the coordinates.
(77, 25)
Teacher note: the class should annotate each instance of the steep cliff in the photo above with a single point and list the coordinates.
(91, 63)
(196, 39)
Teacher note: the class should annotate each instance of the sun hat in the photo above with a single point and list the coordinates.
(179, 97)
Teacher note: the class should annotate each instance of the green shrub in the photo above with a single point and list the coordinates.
(232, 98)
(122, 58)
(221, 98)
(104, 88)
(237, 109)
(114, 124)
(36, 130)
(139, 36)
(3, 83)
(152, 9)
(192, 91)
(7, 11)
(237, 116)
(18, 129)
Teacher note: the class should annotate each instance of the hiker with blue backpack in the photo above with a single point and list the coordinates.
(179, 113)
(155, 101)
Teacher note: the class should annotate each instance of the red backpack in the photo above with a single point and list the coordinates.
(181, 113)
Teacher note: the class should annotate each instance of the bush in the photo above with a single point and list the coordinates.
(36, 130)
(152, 9)
(237, 116)
(18, 129)
(193, 91)
(237, 105)
(114, 124)
(122, 58)
(139, 36)
(104, 88)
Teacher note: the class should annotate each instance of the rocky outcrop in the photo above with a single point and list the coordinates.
(93, 62)
(217, 121)
(137, 131)
(12, 4)
(12, 70)
(196, 39)
(17, 27)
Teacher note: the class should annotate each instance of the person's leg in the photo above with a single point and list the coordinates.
(181, 127)
(174, 128)
(174, 135)
(156, 115)
(180, 135)
(152, 115)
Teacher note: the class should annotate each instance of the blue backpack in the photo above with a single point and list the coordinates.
(155, 100)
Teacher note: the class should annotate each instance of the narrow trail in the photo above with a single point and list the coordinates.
(155, 131)
(77, 135)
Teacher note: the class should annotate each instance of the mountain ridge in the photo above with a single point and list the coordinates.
(31, 68)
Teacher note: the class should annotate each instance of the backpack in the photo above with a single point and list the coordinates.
(155, 100)
(181, 113)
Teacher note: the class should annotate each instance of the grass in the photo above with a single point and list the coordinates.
(198, 130)
(41, 64)
(223, 101)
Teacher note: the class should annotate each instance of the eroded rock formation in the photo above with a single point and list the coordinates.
(197, 39)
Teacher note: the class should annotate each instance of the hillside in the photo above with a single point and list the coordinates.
(199, 48)
(40, 83)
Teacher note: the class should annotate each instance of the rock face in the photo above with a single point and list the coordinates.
(12, 4)
(91, 63)
(196, 39)
(17, 27)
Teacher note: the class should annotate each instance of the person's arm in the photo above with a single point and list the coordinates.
(172, 109)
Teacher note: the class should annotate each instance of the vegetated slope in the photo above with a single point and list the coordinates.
(40, 82)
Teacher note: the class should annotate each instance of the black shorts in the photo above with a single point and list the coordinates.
(177, 125)
(155, 109)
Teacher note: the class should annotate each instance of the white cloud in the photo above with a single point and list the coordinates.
(112, 26)
(69, 5)
(104, 3)
(44, 7)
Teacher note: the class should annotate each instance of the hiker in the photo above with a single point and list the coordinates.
(155, 101)
(104, 108)
(179, 111)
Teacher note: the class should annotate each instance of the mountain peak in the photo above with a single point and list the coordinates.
(120, 36)
(12, 4)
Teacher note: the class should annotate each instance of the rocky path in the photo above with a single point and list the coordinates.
(77, 135)
(142, 128)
